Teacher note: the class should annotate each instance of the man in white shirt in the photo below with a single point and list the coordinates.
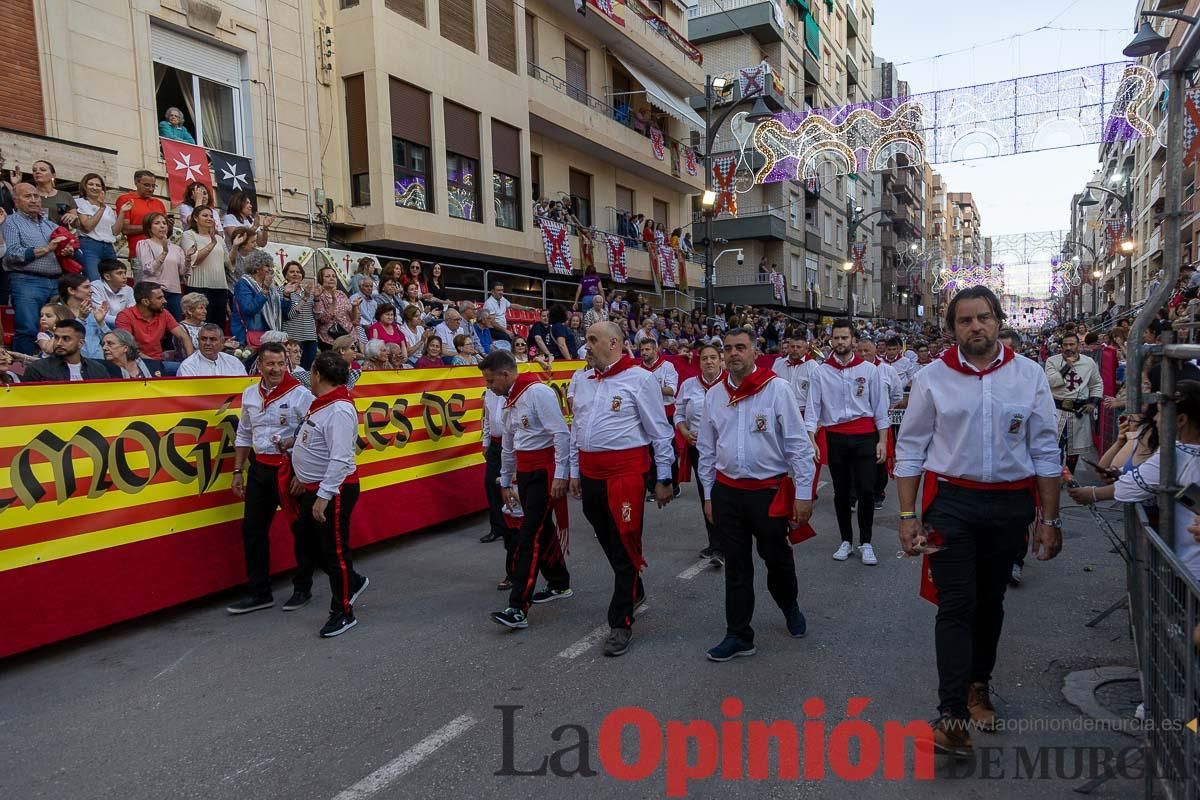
(618, 414)
(450, 326)
(796, 368)
(756, 465)
(368, 302)
(980, 427)
(493, 433)
(272, 410)
(689, 410)
(893, 386)
(113, 289)
(533, 476)
(846, 398)
(210, 360)
(325, 485)
(668, 380)
(894, 357)
(497, 305)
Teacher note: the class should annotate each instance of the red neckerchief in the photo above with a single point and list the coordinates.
(706, 385)
(876, 361)
(791, 362)
(853, 362)
(627, 362)
(891, 360)
(329, 398)
(661, 360)
(523, 382)
(288, 383)
(925, 363)
(952, 360)
(752, 385)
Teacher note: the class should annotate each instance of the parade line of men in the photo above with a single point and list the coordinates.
(978, 444)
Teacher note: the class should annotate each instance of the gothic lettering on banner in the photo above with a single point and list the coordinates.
(616, 258)
(558, 247)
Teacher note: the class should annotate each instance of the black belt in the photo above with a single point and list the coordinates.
(1077, 407)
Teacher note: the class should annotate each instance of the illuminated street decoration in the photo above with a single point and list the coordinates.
(1089, 105)
(952, 279)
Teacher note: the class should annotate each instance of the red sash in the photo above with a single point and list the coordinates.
(624, 471)
(543, 461)
(287, 503)
(269, 459)
(854, 426)
(785, 491)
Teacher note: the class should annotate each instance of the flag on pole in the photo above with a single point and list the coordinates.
(616, 258)
(558, 247)
(186, 164)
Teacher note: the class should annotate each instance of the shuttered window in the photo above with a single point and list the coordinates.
(576, 72)
(458, 22)
(531, 40)
(624, 199)
(411, 142)
(356, 140)
(506, 174)
(581, 195)
(410, 9)
(410, 112)
(502, 34)
(462, 161)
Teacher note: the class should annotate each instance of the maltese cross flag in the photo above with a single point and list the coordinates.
(186, 163)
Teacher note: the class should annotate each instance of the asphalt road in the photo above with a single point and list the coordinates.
(194, 703)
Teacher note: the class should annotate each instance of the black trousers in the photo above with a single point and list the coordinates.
(328, 544)
(852, 468)
(536, 547)
(983, 533)
(627, 583)
(262, 498)
(491, 487)
(740, 517)
(694, 459)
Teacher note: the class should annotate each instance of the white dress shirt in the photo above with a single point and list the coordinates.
(837, 395)
(324, 450)
(1140, 485)
(261, 422)
(758, 437)
(798, 376)
(493, 426)
(667, 377)
(198, 366)
(689, 405)
(903, 368)
(893, 384)
(994, 428)
(499, 309)
(620, 412)
(534, 422)
(117, 301)
(443, 332)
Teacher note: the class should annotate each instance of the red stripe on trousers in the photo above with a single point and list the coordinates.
(337, 544)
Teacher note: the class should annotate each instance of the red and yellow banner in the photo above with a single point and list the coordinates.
(116, 498)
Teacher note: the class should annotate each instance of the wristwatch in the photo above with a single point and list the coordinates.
(1053, 523)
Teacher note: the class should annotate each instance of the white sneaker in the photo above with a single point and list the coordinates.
(843, 552)
(868, 555)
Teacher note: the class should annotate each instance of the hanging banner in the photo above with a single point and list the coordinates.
(587, 256)
(186, 164)
(1114, 232)
(858, 251)
(666, 266)
(612, 9)
(723, 172)
(616, 258)
(682, 271)
(283, 253)
(344, 263)
(777, 285)
(558, 247)
(1191, 126)
(656, 144)
(752, 80)
(689, 161)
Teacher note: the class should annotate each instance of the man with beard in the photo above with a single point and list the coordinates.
(980, 428)
(894, 388)
(667, 376)
(796, 368)
(1077, 388)
(756, 465)
(847, 398)
(894, 357)
(67, 363)
(688, 414)
(618, 415)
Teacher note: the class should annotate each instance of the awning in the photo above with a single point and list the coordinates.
(672, 104)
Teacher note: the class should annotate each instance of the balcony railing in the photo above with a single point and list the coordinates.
(660, 26)
(746, 211)
(622, 115)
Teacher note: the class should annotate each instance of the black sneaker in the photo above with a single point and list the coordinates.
(361, 588)
(707, 552)
(730, 648)
(717, 559)
(676, 492)
(248, 604)
(617, 642)
(338, 624)
(489, 537)
(637, 604)
(879, 504)
(548, 595)
(297, 600)
(796, 624)
(510, 618)
(504, 585)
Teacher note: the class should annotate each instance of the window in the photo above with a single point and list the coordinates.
(662, 213)
(577, 75)
(581, 196)
(409, 9)
(794, 209)
(624, 199)
(502, 34)
(202, 81)
(827, 68)
(795, 271)
(838, 240)
(531, 40)
(828, 234)
(535, 167)
(462, 161)
(458, 22)
(811, 266)
(506, 175)
(344, 4)
(411, 143)
(356, 141)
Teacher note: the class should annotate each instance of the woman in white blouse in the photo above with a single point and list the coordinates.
(208, 274)
(240, 214)
(163, 261)
(99, 225)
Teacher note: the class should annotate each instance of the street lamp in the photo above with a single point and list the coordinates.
(1148, 42)
(1127, 245)
(708, 201)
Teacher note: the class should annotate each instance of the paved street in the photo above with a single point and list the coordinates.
(193, 703)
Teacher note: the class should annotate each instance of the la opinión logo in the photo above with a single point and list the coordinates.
(732, 748)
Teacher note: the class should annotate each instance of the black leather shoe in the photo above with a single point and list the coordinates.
(489, 537)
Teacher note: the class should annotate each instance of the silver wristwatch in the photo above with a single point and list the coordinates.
(1053, 523)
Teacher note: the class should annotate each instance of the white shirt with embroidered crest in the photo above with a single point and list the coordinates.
(534, 422)
(281, 418)
(903, 367)
(758, 437)
(324, 450)
(837, 395)
(993, 428)
(620, 412)
(797, 375)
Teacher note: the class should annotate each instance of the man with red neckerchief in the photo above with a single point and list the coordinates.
(846, 398)
(981, 429)
(756, 465)
(688, 413)
(796, 368)
(894, 357)
(325, 485)
(272, 409)
(535, 450)
(668, 379)
(618, 415)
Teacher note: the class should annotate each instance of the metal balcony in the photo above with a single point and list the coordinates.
(762, 19)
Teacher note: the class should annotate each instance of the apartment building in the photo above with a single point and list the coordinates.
(966, 239)
(91, 80)
(819, 54)
(441, 147)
